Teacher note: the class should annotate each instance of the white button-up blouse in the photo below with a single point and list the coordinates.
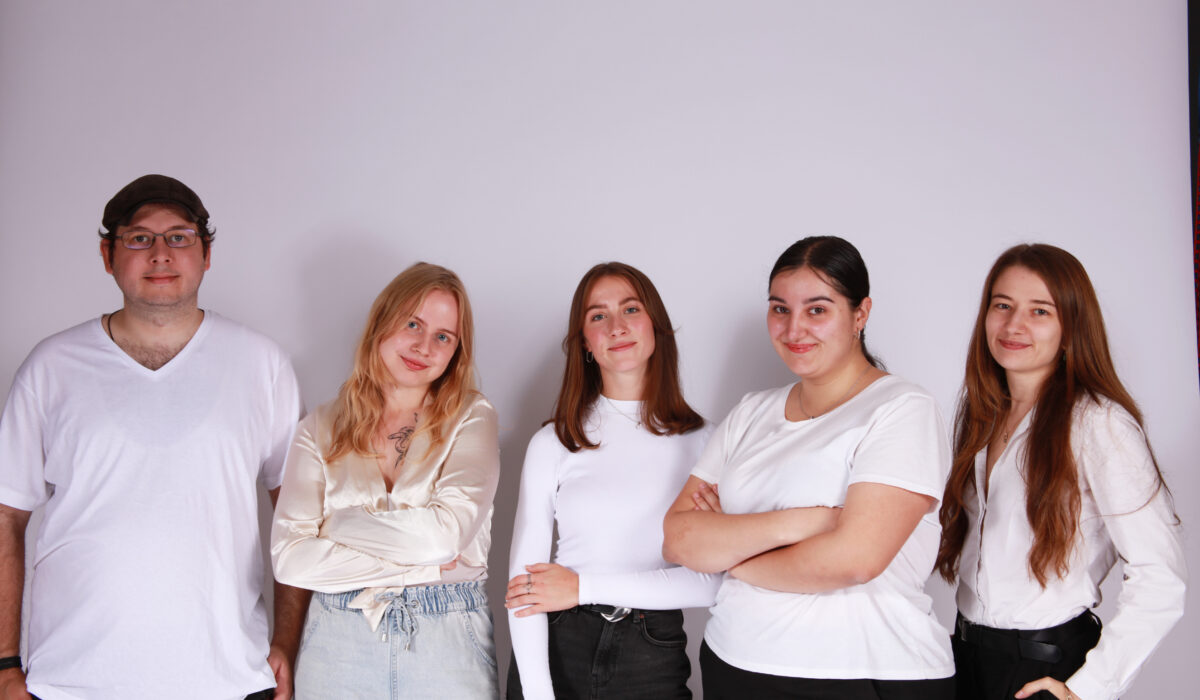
(1123, 514)
(337, 527)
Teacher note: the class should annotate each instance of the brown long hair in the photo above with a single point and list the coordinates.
(664, 411)
(1084, 371)
(360, 401)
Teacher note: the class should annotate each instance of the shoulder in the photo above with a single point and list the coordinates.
(46, 356)
(1100, 421)
(545, 442)
(228, 333)
(756, 403)
(895, 396)
(479, 407)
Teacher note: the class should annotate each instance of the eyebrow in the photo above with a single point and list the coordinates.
(806, 301)
(183, 227)
(1032, 301)
(623, 302)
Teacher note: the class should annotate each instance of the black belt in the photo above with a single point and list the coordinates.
(1035, 645)
(613, 613)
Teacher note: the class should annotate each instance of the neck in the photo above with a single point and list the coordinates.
(1024, 389)
(151, 326)
(403, 402)
(623, 387)
(833, 384)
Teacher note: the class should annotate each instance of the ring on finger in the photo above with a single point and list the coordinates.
(529, 588)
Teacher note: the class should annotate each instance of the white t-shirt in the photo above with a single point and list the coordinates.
(609, 505)
(890, 433)
(147, 575)
(1122, 511)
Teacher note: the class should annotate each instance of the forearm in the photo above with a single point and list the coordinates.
(531, 652)
(711, 542)
(410, 537)
(816, 565)
(876, 522)
(656, 589)
(318, 564)
(12, 577)
(291, 605)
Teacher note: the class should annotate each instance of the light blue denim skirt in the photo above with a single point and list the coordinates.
(433, 642)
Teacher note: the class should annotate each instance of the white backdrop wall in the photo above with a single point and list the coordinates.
(520, 143)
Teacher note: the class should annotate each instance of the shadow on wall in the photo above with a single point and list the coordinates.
(518, 423)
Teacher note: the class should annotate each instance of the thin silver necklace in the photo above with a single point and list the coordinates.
(809, 416)
(631, 419)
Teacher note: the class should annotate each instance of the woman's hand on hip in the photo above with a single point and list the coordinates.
(545, 588)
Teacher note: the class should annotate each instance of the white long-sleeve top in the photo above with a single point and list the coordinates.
(609, 504)
(1123, 513)
(338, 528)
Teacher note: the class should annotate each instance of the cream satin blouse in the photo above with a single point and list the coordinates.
(337, 527)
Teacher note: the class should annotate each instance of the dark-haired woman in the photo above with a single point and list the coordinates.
(603, 620)
(1053, 479)
(826, 516)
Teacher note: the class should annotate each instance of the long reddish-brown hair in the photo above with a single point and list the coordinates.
(358, 410)
(664, 411)
(1084, 371)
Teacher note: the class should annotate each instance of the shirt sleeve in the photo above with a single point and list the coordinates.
(285, 412)
(22, 457)
(301, 555)
(461, 501)
(906, 446)
(713, 458)
(1115, 463)
(533, 532)
(657, 589)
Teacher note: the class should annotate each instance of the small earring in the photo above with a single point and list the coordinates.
(587, 356)
(858, 334)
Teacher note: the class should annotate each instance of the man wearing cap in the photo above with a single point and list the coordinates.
(144, 433)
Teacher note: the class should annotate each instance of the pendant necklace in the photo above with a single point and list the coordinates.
(809, 416)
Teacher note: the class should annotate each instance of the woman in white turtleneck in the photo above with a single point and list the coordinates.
(603, 620)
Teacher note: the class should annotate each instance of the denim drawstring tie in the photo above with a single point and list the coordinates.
(406, 608)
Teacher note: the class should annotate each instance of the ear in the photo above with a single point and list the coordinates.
(106, 254)
(862, 313)
(208, 257)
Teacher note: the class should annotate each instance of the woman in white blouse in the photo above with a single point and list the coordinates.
(386, 507)
(1053, 480)
(603, 621)
(826, 517)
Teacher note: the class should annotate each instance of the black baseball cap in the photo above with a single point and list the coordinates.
(147, 189)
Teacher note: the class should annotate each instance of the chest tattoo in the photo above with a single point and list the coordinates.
(401, 439)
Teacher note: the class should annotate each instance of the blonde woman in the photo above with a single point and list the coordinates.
(386, 508)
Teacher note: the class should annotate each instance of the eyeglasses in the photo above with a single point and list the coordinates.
(175, 238)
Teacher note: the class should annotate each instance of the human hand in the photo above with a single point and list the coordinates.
(449, 565)
(281, 666)
(706, 498)
(546, 588)
(1055, 687)
(12, 685)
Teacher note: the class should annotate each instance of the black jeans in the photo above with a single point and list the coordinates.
(640, 657)
(722, 680)
(995, 666)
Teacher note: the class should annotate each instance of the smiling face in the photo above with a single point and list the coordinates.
(419, 351)
(812, 326)
(617, 331)
(1024, 333)
(159, 276)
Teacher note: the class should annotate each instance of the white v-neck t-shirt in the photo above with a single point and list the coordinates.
(890, 433)
(147, 574)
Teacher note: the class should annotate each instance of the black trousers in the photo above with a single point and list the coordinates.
(993, 664)
(641, 657)
(722, 681)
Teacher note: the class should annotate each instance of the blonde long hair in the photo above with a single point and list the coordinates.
(358, 411)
